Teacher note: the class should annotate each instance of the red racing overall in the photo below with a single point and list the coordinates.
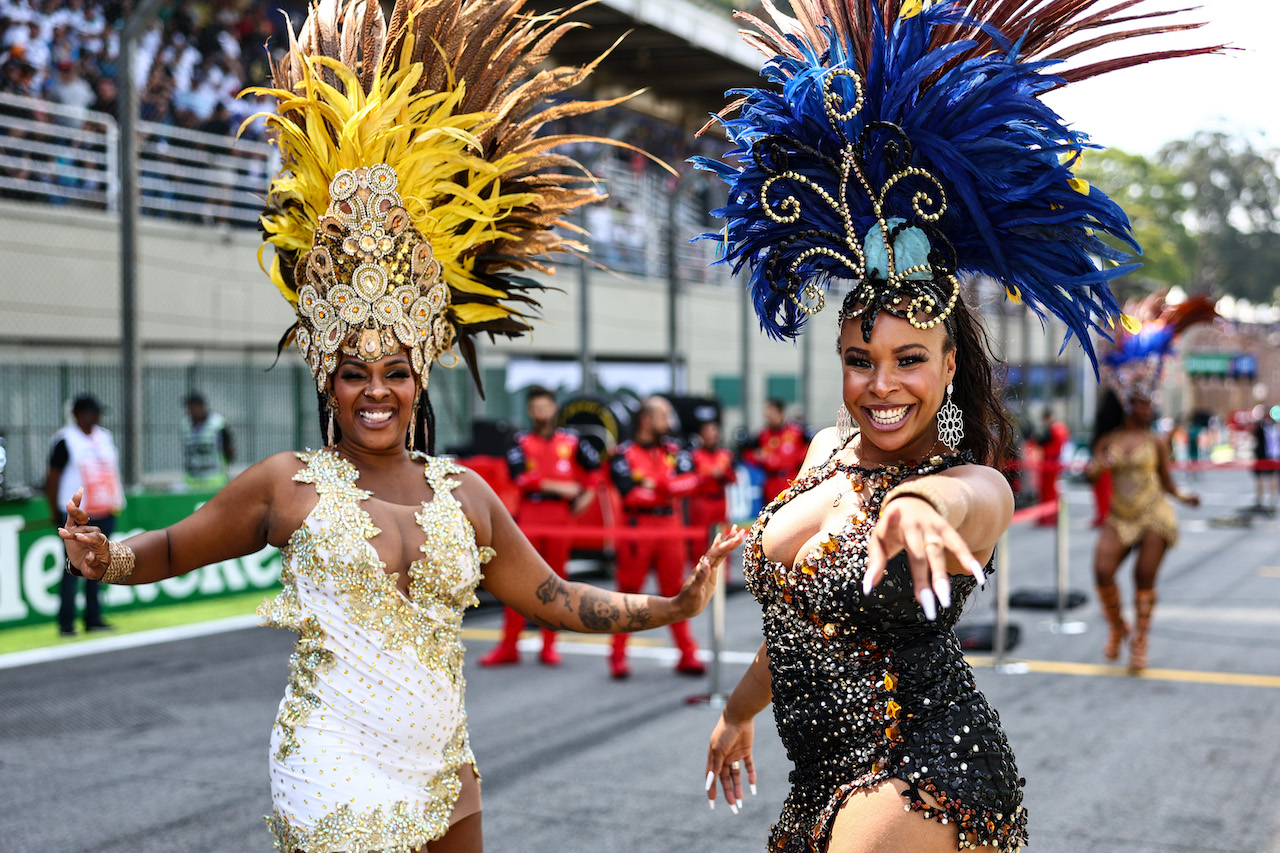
(652, 479)
(535, 460)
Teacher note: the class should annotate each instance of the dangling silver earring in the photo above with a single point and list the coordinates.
(950, 422)
(844, 423)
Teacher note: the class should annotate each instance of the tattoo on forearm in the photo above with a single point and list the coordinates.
(638, 616)
(544, 623)
(551, 589)
(596, 611)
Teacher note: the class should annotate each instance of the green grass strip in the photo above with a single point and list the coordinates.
(25, 637)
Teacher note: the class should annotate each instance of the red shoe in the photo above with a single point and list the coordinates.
(690, 665)
(501, 655)
(549, 656)
(619, 669)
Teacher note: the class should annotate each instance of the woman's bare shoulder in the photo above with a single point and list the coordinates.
(479, 500)
(825, 442)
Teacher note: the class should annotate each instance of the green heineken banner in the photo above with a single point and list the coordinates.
(32, 561)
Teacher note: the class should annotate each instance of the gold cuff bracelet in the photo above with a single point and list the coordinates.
(120, 564)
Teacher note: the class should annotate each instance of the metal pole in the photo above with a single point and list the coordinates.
(585, 360)
(999, 642)
(673, 286)
(717, 699)
(1060, 624)
(130, 345)
(1060, 560)
(687, 181)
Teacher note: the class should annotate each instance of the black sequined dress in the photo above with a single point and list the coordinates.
(866, 689)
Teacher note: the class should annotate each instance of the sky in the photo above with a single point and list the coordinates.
(1139, 109)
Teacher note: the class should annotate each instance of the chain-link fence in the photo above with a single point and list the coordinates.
(267, 410)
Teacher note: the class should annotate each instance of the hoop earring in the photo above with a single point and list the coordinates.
(950, 422)
(844, 423)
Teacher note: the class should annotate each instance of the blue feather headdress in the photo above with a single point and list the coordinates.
(1134, 366)
(899, 148)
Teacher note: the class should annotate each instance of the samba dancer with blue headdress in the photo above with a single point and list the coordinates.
(896, 148)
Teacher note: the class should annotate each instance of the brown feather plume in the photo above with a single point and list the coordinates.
(497, 51)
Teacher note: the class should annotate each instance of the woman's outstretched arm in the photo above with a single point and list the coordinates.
(234, 522)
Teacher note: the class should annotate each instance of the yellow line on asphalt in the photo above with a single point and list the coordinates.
(1053, 667)
(1189, 676)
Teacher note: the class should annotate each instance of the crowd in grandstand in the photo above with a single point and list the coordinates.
(193, 61)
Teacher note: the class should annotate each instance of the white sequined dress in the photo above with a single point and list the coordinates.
(371, 732)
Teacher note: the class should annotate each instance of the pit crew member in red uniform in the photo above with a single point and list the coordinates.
(653, 474)
(556, 472)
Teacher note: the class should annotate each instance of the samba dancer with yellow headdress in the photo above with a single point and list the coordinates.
(413, 194)
(1135, 462)
(897, 147)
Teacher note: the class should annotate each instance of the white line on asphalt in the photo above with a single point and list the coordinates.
(127, 641)
(1236, 615)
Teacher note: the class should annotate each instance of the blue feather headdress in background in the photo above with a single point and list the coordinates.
(1134, 366)
(900, 148)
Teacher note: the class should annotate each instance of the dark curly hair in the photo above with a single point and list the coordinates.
(989, 432)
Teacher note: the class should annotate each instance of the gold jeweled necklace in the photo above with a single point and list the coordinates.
(859, 474)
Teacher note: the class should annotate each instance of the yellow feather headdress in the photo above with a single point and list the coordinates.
(413, 188)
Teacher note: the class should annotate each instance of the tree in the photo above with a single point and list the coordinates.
(1232, 191)
(1151, 195)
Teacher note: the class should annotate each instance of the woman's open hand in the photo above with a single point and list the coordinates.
(701, 583)
(912, 524)
(86, 545)
(728, 754)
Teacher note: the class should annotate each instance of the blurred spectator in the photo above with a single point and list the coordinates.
(17, 75)
(713, 463)
(1266, 465)
(71, 90)
(1053, 438)
(556, 472)
(207, 447)
(778, 450)
(83, 458)
(653, 473)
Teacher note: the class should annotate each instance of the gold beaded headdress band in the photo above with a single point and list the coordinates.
(414, 188)
(897, 145)
(903, 267)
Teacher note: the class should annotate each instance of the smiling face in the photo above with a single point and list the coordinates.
(895, 385)
(374, 401)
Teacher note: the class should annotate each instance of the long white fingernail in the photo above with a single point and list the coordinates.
(975, 569)
(711, 779)
(712, 804)
(929, 605)
(866, 584)
(733, 807)
(752, 786)
(942, 588)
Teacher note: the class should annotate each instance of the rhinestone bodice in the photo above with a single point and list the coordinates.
(866, 688)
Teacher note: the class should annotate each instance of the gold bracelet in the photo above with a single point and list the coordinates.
(119, 564)
(923, 490)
